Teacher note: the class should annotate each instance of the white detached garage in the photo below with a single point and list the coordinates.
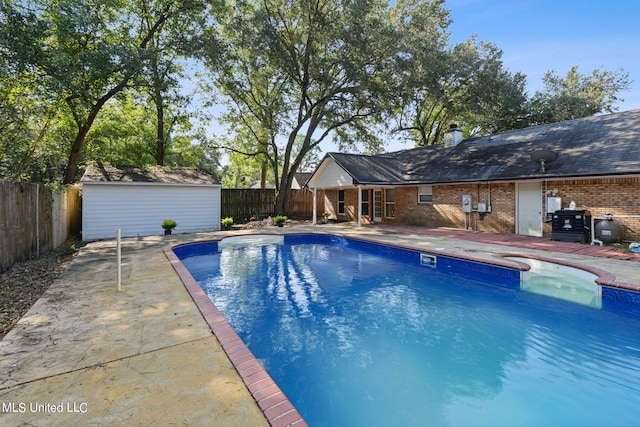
(137, 200)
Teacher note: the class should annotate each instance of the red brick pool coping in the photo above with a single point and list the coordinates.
(276, 407)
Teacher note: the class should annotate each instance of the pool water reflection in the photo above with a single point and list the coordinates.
(356, 337)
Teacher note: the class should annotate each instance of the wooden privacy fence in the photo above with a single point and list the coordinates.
(34, 220)
(246, 204)
(301, 204)
(67, 214)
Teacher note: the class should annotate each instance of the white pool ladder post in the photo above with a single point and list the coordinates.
(119, 259)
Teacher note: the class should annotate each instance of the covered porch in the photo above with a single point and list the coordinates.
(356, 188)
(356, 203)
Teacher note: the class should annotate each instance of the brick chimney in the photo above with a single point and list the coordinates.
(453, 136)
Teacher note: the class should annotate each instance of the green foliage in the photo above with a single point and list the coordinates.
(279, 219)
(243, 170)
(466, 84)
(88, 80)
(26, 120)
(85, 52)
(105, 81)
(32, 131)
(122, 134)
(576, 95)
(169, 224)
(227, 222)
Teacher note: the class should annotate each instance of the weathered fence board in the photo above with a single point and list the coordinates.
(300, 203)
(26, 221)
(67, 214)
(19, 224)
(246, 204)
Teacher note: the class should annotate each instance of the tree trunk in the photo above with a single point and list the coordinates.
(263, 175)
(282, 199)
(289, 168)
(74, 157)
(284, 192)
(160, 137)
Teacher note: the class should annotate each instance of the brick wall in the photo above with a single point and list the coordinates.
(446, 209)
(619, 196)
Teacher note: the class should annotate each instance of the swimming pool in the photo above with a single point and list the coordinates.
(357, 333)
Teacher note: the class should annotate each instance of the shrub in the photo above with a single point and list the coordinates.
(168, 224)
(280, 219)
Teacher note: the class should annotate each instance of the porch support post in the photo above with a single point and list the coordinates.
(315, 207)
(359, 210)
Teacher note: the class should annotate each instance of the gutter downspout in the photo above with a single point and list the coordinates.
(315, 207)
(359, 206)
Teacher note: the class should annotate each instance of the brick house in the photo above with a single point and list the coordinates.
(510, 182)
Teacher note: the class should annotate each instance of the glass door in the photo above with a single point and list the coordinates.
(377, 205)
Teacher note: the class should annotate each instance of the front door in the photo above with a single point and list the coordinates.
(529, 209)
(377, 205)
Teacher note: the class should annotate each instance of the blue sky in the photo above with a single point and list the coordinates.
(537, 36)
(541, 35)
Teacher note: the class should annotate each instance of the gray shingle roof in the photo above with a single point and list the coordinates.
(595, 146)
(303, 177)
(148, 174)
(370, 169)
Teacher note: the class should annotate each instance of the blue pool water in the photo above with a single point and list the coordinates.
(357, 334)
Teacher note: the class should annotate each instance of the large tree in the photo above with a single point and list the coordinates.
(85, 52)
(169, 59)
(439, 84)
(576, 95)
(310, 68)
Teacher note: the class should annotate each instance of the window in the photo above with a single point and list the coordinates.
(425, 194)
(340, 201)
(390, 202)
(364, 207)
